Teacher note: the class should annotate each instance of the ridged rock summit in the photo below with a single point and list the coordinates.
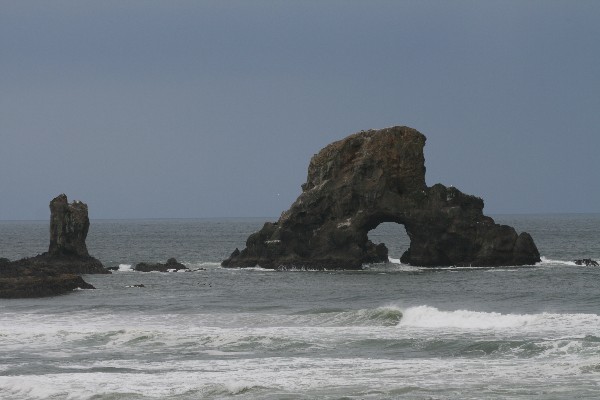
(69, 225)
(377, 176)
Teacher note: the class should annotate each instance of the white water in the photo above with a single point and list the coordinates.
(431, 317)
(91, 354)
(550, 262)
(125, 267)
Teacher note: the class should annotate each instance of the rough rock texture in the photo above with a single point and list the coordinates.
(26, 286)
(23, 278)
(171, 265)
(47, 263)
(366, 179)
(69, 225)
(588, 262)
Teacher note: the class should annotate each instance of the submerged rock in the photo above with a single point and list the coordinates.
(171, 265)
(588, 262)
(377, 176)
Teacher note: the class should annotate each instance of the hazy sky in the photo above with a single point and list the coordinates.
(214, 108)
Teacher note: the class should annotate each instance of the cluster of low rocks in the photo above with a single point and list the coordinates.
(588, 262)
(172, 265)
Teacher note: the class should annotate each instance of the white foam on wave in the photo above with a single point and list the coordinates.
(394, 265)
(318, 377)
(20, 387)
(549, 262)
(239, 353)
(238, 386)
(368, 317)
(202, 264)
(431, 317)
(125, 267)
(255, 268)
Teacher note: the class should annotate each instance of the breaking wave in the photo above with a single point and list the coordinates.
(548, 262)
(380, 316)
(431, 317)
(125, 267)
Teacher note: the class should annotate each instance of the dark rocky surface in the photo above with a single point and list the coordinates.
(170, 265)
(53, 272)
(377, 176)
(69, 225)
(30, 286)
(67, 264)
(588, 262)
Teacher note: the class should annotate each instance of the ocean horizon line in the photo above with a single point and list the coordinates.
(275, 218)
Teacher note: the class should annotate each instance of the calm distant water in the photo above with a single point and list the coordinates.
(390, 331)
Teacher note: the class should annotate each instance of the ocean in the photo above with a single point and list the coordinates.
(390, 331)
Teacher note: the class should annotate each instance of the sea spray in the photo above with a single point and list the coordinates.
(124, 268)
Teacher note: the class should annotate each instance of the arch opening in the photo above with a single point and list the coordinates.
(394, 236)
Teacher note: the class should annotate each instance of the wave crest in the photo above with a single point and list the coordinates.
(380, 316)
(431, 317)
(547, 261)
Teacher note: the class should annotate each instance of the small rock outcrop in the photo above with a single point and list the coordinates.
(171, 265)
(588, 262)
(377, 176)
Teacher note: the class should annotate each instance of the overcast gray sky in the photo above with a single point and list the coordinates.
(153, 109)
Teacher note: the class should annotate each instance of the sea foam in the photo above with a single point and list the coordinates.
(125, 267)
(548, 262)
(431, 317)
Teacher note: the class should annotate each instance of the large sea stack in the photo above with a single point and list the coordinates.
(67, 253)
(69, 225)
(366, 179)
(56, 271)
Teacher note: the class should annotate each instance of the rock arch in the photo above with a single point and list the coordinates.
(378, 176)
(393, 236)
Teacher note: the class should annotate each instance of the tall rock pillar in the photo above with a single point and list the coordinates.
(69, 225)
